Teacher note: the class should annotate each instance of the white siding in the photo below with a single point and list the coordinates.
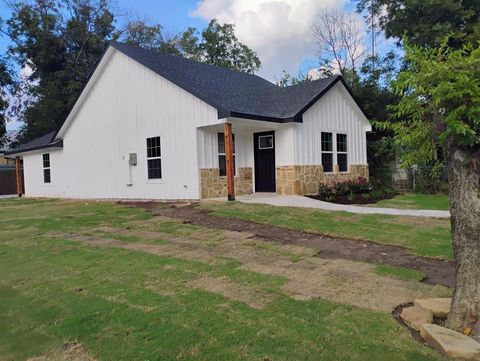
(208, 147)
(335, 112)
(126, 104)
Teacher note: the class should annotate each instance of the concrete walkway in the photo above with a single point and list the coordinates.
(305, 202)
(7, 196)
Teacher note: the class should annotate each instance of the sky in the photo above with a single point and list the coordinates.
(280, 31)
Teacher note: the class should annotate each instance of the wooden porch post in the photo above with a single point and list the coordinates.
(229, 160)
(18, 175)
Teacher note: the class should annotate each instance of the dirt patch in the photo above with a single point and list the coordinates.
(233, 291)
(72, 351)
(347, 282)
(437, 271)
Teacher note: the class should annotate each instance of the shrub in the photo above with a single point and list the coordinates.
(360, 185)
(331, 188)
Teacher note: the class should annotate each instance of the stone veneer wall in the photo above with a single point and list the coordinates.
(306, 179)
(214, 186)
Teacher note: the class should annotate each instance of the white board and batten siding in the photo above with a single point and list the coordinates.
(126, 104)
(335, 112)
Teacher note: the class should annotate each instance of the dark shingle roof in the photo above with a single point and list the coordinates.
(45, 141)
(232, 93)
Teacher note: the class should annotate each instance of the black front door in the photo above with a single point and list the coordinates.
(264, 153)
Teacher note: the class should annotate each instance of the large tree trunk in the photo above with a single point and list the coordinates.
(464, 181)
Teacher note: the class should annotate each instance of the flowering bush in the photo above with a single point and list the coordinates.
(332, 188)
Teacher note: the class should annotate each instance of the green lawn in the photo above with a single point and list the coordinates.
(125, 304)
(416, 201)
(423, 236)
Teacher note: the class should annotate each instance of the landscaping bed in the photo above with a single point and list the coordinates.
(355, 199)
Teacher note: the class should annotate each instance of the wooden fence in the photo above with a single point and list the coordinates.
(8, 180)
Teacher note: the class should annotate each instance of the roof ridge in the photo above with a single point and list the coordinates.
(304, 83)
(180, 58)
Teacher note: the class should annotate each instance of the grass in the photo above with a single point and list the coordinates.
(122, 304)
(416, 201)
(422, 236)
(400, 272)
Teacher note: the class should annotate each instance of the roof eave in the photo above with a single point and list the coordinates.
(263, 118)
(57, 144)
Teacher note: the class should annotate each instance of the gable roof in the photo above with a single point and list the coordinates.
(232, 93)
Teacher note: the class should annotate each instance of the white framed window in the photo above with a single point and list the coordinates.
(327, 152)
(265, 142)
(47, 177)
(222, 157)
(154, 158)
(342, 154)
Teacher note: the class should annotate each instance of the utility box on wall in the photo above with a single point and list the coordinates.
(132, 159)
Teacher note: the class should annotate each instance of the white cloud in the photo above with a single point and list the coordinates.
(279, 31)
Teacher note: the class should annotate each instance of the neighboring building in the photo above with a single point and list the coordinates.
(149, 126)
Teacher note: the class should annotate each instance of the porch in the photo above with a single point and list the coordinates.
(263, 160)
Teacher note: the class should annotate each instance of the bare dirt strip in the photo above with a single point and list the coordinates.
(437, 271)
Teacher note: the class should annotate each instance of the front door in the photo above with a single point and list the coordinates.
(264, 154)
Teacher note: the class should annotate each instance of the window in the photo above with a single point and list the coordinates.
(154, 158)
(46, 168)
(327, 152)
(222, 158)
(342, 159)
(265, 142)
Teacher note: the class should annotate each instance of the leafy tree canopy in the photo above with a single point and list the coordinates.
(216, 45)
(60, 42)
(427, 22)
(219, 46)
(440, 101)
(5, 82)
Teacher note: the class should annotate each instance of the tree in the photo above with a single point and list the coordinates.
(427, 22)
(60, 42)
(288, 79)
(152, 37)
(220, 46)
(216, 44)
(440, 104)
(5, 82)
(340, 39)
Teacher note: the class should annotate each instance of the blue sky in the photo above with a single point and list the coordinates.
(170, 13)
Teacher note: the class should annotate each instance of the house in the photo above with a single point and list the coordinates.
(152, 126)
